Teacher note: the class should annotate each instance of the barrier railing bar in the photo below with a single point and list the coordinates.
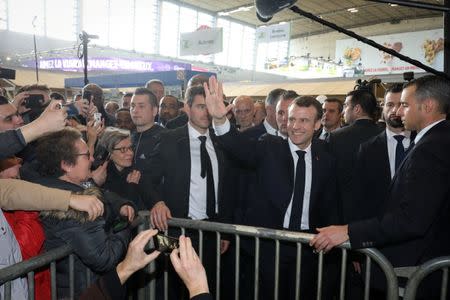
(7, 290)
(297, 271)
(256, 287)
(277, 268)
(217, 265)
(166, 278)
(444, 284)
(423, 271)
(320, 276)
(200, 244)
(53, 279)
(30, 277)
(367, 279)
(236, 266)
(343, 273)
(23, 267)
(72, 276)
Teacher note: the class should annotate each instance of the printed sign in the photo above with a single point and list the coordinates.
(201, 42)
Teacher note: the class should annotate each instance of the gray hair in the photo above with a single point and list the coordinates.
(111, 137)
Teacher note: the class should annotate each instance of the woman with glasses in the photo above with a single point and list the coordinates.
(121, 178)
(65, 162)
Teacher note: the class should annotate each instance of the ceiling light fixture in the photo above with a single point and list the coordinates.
(352, 10)
(393, 5)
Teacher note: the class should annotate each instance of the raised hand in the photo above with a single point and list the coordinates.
(214, 100)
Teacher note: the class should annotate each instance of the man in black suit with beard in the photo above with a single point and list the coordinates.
(296, 180)
(189, 173)
(359, 109)
(378, 159)
(415, 224)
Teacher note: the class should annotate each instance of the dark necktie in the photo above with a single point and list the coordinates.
(299, 191)
(206, 170)
(399, 151)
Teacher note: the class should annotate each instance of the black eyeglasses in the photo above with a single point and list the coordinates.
(87, 154)
(124, 149)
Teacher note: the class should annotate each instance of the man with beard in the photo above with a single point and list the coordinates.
(379, 158)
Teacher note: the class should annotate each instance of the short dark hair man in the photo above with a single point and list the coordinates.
(331, 118)
(287, 171)
(98, 99)
(414, 225)
(282, 106)
(9, 116)
(191, 171)
(143, 110)
(126, 100)
(359, 108)
(168, 109)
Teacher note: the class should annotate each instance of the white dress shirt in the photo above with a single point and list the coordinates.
(307, 192)
(392, 145)
(197, 187)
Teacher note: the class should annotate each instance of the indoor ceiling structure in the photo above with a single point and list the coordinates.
(345, 13)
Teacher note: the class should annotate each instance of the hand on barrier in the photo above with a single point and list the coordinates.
(159, 215)
(127, 211)
(329, 237)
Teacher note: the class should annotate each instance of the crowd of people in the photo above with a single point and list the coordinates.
(331, 168)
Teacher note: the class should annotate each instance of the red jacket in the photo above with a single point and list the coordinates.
(30, 235)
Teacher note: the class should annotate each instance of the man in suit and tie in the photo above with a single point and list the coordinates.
(189, 174)
(296, 179)
(379, 158)
(331, 118)
(359, 109)
(415, 224)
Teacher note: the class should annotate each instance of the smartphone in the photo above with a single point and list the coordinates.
(33, 101)
(100, 156)
(87, 95)
(97, 118)
(163, 243)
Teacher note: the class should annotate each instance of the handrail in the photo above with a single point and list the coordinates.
(23, 267)
(423, 271)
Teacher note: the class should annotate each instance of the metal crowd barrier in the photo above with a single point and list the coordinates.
(148, 292)
(300, 239)
(440, 263)
(27, 267)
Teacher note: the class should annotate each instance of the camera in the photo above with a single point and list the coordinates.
(101, 155)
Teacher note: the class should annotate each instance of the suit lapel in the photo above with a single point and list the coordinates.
(184, 152)
(381, 143)
(220, 164)
(316, 166)
(288, 164)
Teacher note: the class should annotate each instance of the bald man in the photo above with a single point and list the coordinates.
(244, 110)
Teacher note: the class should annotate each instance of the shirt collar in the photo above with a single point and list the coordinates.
(269, 128)
(294, 147)
(421, 133)
(390, 134)
(194, 134)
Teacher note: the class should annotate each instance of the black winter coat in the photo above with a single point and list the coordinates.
(95, 247)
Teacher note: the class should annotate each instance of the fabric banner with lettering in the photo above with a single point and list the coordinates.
(201, 42)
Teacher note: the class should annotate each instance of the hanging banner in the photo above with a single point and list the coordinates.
(201, 42)
(361, 59)
(273, 33)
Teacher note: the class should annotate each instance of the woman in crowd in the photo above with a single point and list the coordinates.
(27, 230)
(121, 177)
(65, 162)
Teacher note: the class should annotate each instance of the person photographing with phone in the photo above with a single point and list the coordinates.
(184, 259)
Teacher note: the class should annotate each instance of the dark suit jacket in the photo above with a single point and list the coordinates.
(177, 122)
(371, 179)
(416, 220)
(272, 159)
(255, 132)
(170, 163)
(344, 144)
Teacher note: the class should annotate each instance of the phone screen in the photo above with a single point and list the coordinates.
(164, 243)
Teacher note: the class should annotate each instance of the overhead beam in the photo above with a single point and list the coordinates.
(423, 5)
